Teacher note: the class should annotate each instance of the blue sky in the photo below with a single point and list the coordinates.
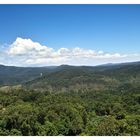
(107, 28)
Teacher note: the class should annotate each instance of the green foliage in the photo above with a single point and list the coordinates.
(15, 132)
(70, 113)
(70, 101)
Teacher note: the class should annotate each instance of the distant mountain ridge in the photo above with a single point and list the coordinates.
(69, 76)
(12, 75)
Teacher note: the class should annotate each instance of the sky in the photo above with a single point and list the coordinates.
(43, 35)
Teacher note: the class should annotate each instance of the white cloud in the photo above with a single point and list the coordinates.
(25, 52)
(28, 47)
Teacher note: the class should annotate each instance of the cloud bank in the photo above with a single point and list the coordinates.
(25, 52)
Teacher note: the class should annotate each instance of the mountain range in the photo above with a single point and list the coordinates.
(66, 76)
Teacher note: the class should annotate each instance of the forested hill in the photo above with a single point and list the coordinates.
(65, 75)
(11, 75)
(70, 100)
(70, 77)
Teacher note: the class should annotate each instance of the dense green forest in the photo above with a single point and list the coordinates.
(69, 100)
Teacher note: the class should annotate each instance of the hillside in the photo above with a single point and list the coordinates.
(10, 75)
(100, 76)
(70, 100)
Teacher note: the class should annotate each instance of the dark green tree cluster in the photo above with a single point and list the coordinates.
(69, 113)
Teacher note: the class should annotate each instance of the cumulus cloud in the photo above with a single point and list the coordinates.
(25, 52)
(28, 47)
